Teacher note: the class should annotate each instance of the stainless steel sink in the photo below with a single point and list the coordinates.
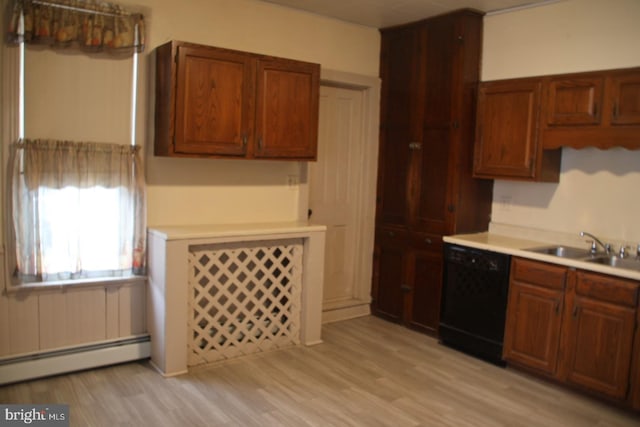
(614, 261)
(562, 251)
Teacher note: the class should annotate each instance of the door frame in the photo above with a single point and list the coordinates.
(369, 86)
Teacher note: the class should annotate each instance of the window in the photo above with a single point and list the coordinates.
(77, 210)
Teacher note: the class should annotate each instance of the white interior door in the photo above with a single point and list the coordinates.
(335, 186)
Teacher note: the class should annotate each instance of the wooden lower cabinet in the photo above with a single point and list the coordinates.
(407, 279)
(534, 314)
(599, 346)
(388, 275)
(574, 326)
(533, 336)
(599, 331)
(426, 279)
(634, 398)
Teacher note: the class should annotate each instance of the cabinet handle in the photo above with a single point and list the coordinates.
(260, 143)
(415, 145)
(575, 311)
(595, 110)
(557, 307)
(244, 140)
(428, 241)
(391, 234)
(614, 113)
(405, 288)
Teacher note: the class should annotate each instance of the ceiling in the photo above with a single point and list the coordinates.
(387, 13)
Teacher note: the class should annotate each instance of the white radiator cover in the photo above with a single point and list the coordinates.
(244, 298)
(169, 296)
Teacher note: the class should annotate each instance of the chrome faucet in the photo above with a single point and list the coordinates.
(623, 251)
(595, 242)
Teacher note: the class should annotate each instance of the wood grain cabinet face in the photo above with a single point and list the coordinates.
(213, 102)
(522, 124)
(600, 324)
(625, 94)
(389, 275)
(534, 314)
(429, 72)
(507, 129)
(575, 326)
(287, 109)
(214, 96)
(574, 101)
(594, 109)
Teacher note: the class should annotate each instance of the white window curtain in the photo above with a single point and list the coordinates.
(78, 210)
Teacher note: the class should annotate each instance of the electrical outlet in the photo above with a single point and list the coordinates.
(505, 203)
(292, 182)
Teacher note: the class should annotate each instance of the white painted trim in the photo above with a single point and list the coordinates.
(524, 6)
(77, 361)
(346, 313)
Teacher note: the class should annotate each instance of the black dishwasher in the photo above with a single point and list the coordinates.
(474, 301)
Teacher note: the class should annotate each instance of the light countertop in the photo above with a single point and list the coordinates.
(516, 247)
(186, 232)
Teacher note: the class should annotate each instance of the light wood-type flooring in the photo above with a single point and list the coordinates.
(368, 372)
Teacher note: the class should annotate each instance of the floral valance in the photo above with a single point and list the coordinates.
(91, 25)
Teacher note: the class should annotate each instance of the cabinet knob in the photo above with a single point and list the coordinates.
(415, 145)
(244, 140)
(391, 234)
(428, 241)
(260, 143)
(405, 288)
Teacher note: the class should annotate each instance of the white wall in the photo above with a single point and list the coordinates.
(598, 190)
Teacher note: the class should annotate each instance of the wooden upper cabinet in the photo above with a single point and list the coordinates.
(574, 101)
(214, 96)
(400, 121)
(507, 144)
(213, 102)
(594, 109)
(287, 109)
(523, 123)
(625, 98)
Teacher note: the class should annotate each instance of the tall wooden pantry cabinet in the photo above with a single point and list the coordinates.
(430, 71)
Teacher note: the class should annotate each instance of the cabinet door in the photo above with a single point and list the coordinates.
(432, 171)
(625, 94)
(389, 275)
(599, 352)
(214, 100)
(507, 129)
(425, 276)
(532, 331)
(400, 122)
(574, 101)
(287, 109)
(635, 369)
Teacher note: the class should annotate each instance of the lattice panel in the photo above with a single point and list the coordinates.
(243, 298)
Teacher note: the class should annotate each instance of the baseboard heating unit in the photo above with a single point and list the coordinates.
(57, 362)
